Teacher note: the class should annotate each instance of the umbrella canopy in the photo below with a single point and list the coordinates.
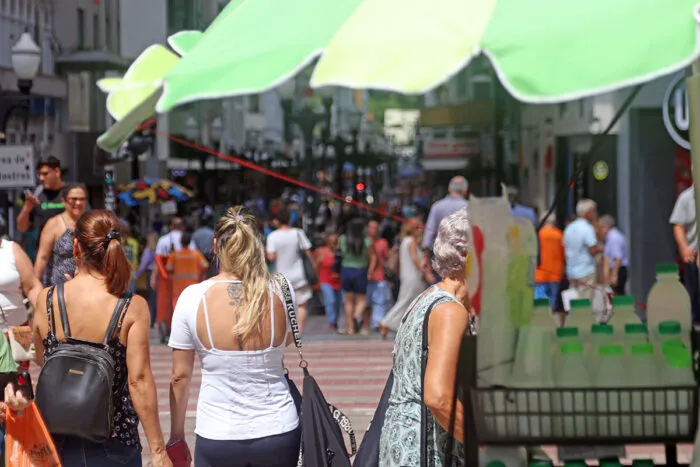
(148, 191)
(542, 50)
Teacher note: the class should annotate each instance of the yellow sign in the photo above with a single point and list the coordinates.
(601, 170)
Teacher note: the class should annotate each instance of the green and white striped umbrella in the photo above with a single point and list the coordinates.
(542, 50)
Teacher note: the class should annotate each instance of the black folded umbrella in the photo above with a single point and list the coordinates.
(322, 439)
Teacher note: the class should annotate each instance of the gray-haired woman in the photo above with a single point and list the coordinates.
(447, 325)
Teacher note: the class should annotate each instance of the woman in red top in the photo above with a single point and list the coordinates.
(328, 276)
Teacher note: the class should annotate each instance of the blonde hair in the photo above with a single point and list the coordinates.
(241, 253)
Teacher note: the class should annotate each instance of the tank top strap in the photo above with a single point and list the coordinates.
(206, 319)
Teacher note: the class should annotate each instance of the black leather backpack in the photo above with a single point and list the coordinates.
(75, 388)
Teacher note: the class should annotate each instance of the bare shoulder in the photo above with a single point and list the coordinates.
(450, 313)
(138, 309)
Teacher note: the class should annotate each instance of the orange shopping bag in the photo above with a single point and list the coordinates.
(27, 441)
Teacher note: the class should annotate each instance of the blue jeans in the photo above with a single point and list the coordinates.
(548, 290)
(77, 452)
(377, 299)
(333, 302)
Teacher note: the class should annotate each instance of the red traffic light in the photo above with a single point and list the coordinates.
(360, 187)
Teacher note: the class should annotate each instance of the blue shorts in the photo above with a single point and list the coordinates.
(354, 280)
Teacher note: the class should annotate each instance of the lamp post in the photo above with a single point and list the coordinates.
(307, 119)
(26, 58)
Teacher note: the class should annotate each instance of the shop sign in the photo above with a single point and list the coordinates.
(676, 112)
(450, 148)
(17, 167)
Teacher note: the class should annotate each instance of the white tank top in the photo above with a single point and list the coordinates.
(244, 394)
(13, 312)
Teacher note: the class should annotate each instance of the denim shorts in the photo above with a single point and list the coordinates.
(78, 452)
(354, 280)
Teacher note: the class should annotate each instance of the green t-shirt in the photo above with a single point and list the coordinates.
(353, 261)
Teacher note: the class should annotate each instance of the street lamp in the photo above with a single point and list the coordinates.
(191, 129)
(217, 129)
(26, 58)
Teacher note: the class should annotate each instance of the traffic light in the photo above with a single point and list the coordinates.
(360, 187)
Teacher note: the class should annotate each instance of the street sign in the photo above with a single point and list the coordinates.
(676, 112)
(17, 167)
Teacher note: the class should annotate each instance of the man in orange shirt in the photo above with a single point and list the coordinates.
(551, 268)
(185, 266)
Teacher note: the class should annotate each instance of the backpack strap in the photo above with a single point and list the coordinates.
(117, 318)
(63, 311)
(49, 310)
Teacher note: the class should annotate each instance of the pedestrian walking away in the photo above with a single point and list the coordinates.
(453, 202)
(72, 318)
(236, 323)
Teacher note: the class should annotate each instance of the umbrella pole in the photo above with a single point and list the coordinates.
(693, 87)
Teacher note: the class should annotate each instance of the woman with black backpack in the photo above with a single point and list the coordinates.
(92, 340)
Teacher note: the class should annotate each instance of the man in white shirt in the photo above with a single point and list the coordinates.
(685, 232)
(581, 248)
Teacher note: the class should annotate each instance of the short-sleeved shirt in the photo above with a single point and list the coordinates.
(352, 260)
(131, 250)
(287, 246)
(381, 250)
(615, 247)
(684, 214)
(551, 266)
(441, 209)
(50, 205)
(579, 236)
(170, 242)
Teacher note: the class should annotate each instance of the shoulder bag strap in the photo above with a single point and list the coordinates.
(117, 317)
(423, 364)
(63, 311)
(291, 312)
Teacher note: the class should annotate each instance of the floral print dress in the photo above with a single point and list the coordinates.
(400, 439)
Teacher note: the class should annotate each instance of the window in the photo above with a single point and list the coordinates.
(96, 43)
(81, 29)
(254, 103)
(37, 27)
(108, 34)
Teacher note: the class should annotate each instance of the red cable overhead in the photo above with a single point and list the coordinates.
(148, 125)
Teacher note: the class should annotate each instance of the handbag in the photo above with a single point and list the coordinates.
(309, 270)
(21, 342)
(368, 454)
(322, 424)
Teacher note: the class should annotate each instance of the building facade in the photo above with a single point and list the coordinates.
(49, 91)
